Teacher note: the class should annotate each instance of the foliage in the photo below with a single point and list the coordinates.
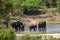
(7, 34)
(2, 27)
(22, 3)
(5, 8)
(58, 6)
(28, 37)
(19, 5)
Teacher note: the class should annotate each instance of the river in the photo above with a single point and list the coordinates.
(49, 28)
(53, 28)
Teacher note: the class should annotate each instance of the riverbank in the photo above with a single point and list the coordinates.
(55, 35)
(50, 19)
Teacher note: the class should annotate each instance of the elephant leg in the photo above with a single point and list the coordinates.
(40, 29)
(45, 28)
(23, 29)
(16, 29)
(34, 29)
(19, 28)
(30, 29)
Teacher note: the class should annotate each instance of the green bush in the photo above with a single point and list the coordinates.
(2, 26)
(7, 34)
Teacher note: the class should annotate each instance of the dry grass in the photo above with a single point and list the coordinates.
(55, 19)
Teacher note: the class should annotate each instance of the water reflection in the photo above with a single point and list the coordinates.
(49, 28)
(53, 28)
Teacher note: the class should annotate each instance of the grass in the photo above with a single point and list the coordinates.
(28, 37)
(41, 32)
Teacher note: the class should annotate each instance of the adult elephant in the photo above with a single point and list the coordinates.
(14, 25)
(34, 27)
(18, 26)
(42, 26)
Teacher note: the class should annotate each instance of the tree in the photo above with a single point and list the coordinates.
(19, 5)
(54, 3)
(58, 5)
(5, 9)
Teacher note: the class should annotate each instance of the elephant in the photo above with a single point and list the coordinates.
(14, 25)
(34, 27)
(18, 26)
(42, 26)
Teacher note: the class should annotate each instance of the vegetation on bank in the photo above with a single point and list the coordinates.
(28, 37)
(7, 33)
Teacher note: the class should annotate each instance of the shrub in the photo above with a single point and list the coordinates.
(7, 34)
(2, 26)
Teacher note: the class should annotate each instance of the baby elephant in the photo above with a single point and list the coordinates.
(34, 27)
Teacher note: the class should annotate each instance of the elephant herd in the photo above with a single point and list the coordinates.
(18, 26)
(21, 27)
(41, 26)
